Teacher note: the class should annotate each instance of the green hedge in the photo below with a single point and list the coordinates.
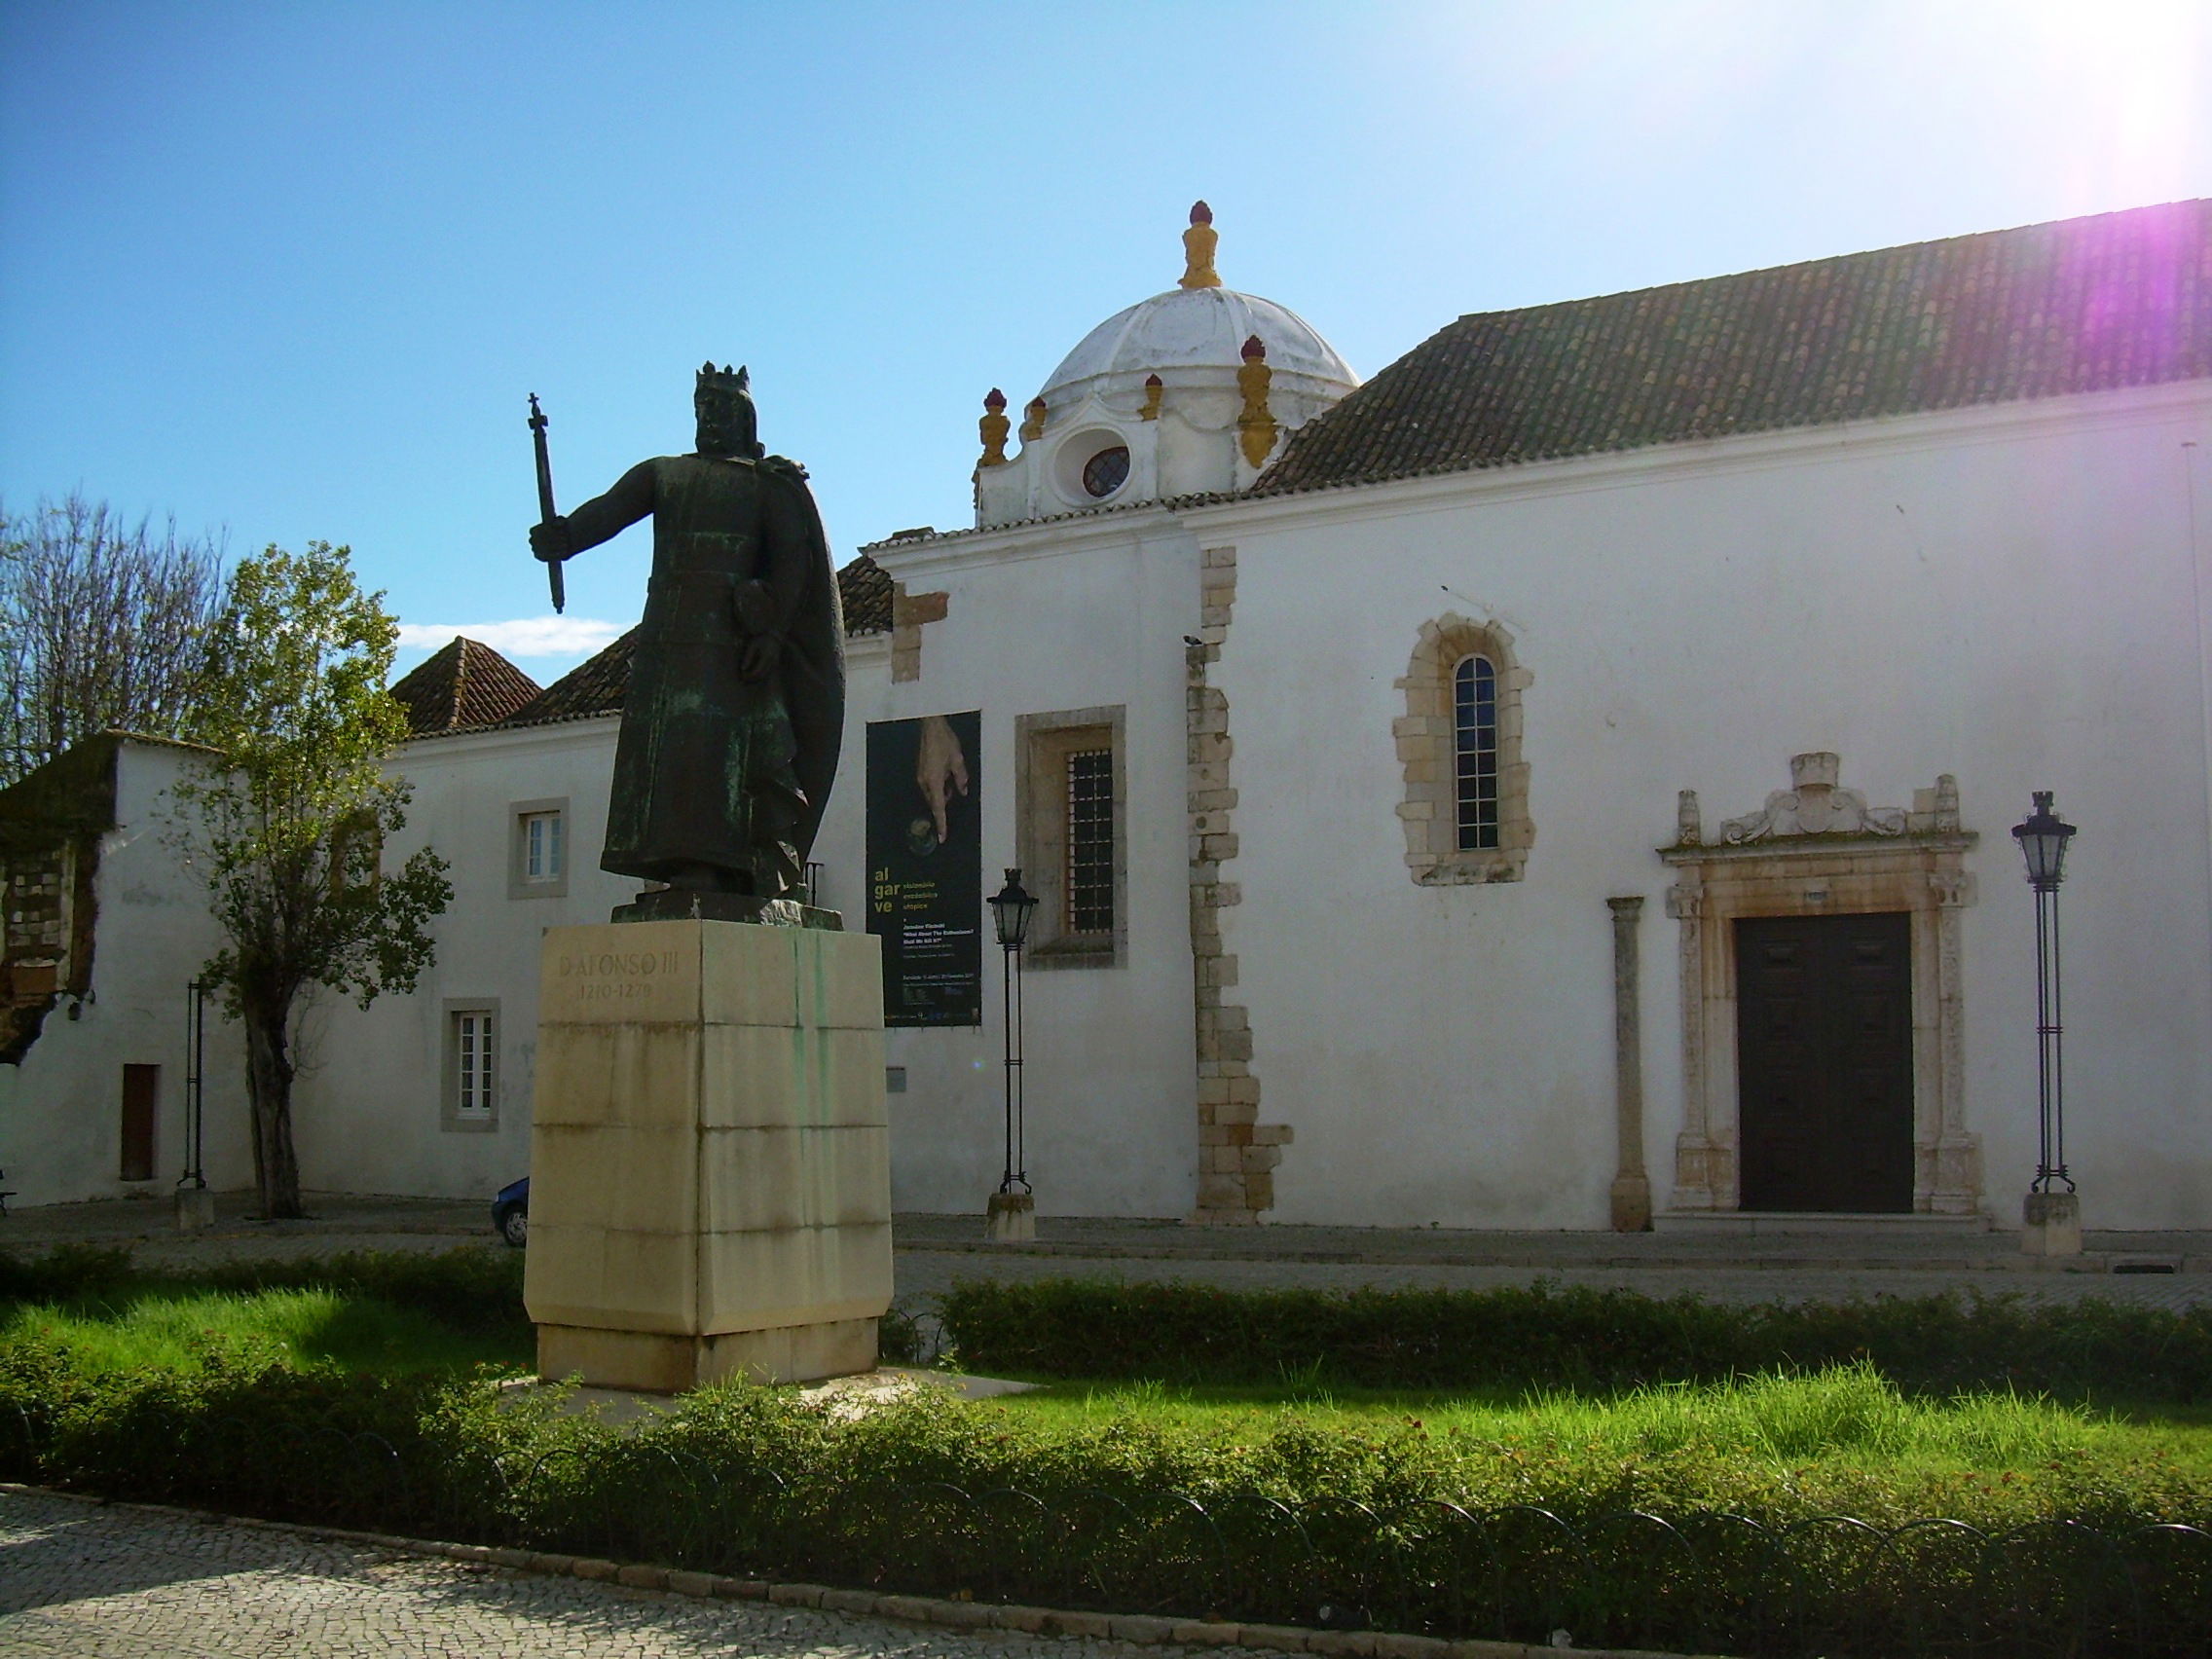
(1304, 1524)
(1549, 1336)
(1694, 1548)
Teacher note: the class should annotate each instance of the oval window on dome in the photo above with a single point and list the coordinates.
(1106, 471)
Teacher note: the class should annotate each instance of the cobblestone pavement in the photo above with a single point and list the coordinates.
(115, 1583)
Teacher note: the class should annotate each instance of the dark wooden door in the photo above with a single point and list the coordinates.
(141, 1090)
(1824, 1051)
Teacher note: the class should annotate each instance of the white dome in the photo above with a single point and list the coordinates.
(1194, 328)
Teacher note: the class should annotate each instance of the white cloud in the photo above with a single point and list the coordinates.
(524, 636)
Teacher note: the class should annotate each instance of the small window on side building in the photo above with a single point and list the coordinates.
(537, 854)
(471, 1090)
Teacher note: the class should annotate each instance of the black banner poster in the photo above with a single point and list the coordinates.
(924, 867)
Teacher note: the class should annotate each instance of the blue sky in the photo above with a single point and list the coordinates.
(287, 272)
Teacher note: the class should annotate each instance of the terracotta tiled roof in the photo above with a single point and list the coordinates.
(2080, 305)
(466, 683)
(865, 593)
(594, 686)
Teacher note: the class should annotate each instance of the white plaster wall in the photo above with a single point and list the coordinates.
(368, 1114)
(61, 1110)
(2008, 596)
(1052, 617)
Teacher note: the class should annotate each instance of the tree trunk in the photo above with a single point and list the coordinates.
(268, 1085)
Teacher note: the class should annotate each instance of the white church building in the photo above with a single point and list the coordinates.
(1563, 782)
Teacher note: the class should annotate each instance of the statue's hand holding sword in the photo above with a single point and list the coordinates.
(549, 536)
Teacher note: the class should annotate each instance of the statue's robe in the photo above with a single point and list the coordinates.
(711, 768)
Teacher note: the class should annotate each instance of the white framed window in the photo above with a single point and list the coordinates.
(471, 1090)
(541, 846)
(538, 851)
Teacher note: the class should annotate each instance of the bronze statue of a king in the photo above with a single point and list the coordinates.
(735, 706)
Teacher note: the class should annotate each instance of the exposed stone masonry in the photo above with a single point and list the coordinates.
(1237, 1154)
(910, 612)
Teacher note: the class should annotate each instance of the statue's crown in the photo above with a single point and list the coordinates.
(738, 384)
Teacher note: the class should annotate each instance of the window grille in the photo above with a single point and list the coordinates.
(1089, 884)
(1474, 748)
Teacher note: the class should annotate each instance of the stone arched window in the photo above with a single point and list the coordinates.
(1466, 809)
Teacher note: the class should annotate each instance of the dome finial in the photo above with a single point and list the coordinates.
(1199, 244)
(993, 427)
(1256, 427)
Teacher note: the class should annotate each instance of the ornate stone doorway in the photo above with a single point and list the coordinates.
(1819, 852)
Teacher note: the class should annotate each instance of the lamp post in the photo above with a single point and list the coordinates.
(2053, 1217)
(1012, 1210)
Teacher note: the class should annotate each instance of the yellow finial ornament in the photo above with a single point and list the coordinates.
(1256, 427)
(1199, 244)
(1033, 421)
(994, 427)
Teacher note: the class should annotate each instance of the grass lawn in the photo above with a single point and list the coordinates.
(1848, 1411)
(1844, 1438)
(300, 1329)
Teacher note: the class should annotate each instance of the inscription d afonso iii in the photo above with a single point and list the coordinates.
(622, 984)
(924, 867)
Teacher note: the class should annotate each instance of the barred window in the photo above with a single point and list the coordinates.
(1474, 749)
(1089, 884)
(1071, 829)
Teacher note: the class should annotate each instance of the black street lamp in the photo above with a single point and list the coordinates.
(2043, 838)
(1012, 1210)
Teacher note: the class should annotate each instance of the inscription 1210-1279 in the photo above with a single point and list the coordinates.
(609, 976)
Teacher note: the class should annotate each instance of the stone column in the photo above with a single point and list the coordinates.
(1693, 1148)
(1631, 1186)
(1955, 1187)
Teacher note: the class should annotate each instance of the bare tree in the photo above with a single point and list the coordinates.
(102, 625)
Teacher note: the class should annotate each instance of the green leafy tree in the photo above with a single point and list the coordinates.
(287, 820)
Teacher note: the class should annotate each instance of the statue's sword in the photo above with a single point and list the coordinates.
(545, 512)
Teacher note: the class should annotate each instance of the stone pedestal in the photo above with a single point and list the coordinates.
(195, 1209)
(1011, 1218)
(2051, 1224)
(710, 1155)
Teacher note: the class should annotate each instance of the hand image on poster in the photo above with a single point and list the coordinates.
(925, 868)
(940, 768)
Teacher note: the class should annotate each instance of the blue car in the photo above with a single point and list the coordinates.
(510, 1213)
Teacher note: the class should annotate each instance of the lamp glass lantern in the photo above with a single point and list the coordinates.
(2043, 836)
(1012, 906)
